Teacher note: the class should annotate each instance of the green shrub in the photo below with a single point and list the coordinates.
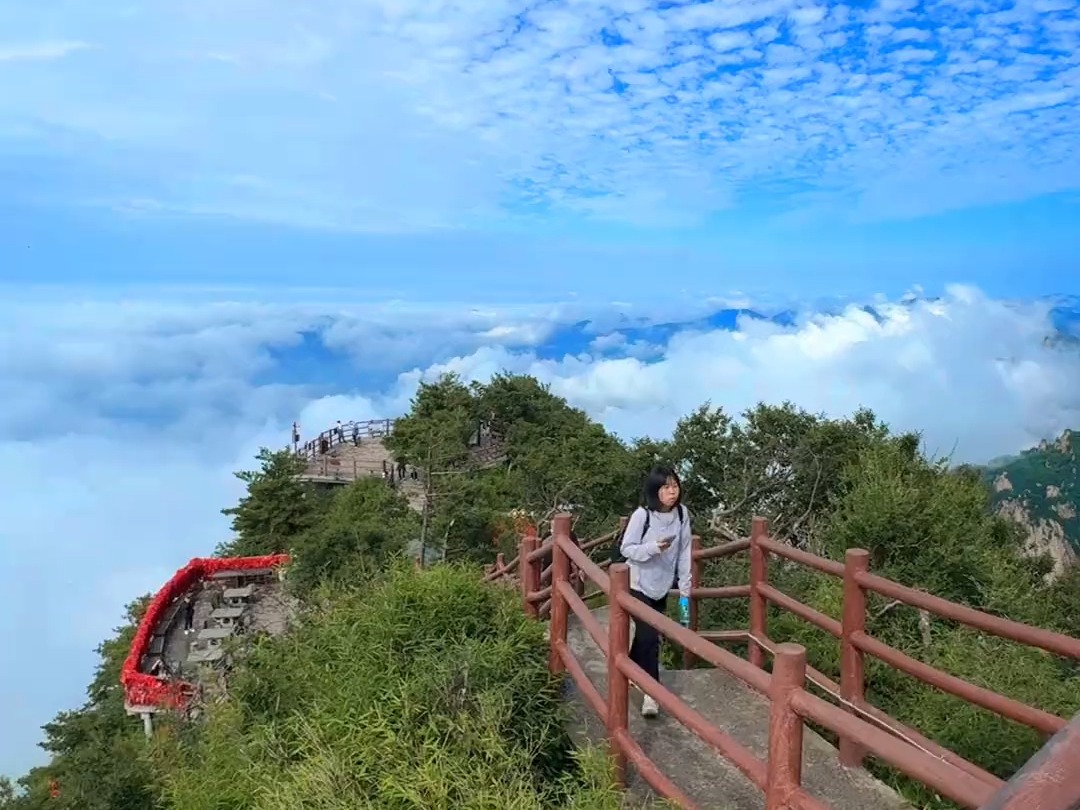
(424, 690)
(928, 527)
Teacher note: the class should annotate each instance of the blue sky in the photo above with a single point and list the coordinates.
(401, 145)
(216, 218)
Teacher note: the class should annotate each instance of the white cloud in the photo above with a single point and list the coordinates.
(430, 115)
(730, 40)
(40, 51)
(968, 371)
(124, 420)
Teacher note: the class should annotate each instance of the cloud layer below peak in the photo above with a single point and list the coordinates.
(125, 418)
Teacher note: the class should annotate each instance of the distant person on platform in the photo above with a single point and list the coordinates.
(657, 546)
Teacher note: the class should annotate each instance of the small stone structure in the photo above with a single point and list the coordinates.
(194, 640)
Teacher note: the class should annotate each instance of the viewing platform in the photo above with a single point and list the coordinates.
(351, 451)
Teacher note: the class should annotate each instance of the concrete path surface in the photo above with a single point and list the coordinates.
(736, 709)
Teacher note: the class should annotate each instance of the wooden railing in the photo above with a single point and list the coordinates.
(1049, 782)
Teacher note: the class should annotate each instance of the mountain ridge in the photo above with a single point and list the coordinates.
(1040, 490)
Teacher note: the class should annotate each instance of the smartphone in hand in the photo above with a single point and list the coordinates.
(665, 542)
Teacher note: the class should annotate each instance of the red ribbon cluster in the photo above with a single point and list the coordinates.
(146, 690)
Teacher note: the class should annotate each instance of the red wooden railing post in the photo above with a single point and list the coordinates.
(688, 658)
(618, 697)
(527, 573)
(560, 572)
(784, 768)
(853, 620)
(759, 574)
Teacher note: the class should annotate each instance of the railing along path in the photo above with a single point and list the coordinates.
(317, 451)
(1050, 781)
(346, 433)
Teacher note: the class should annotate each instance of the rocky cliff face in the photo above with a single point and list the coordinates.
(1040, 490)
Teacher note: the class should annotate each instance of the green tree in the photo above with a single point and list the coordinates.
(423, 689)
(438, 426)
(470, 517)
(277, 507)
(560, 456)
(926, 525)
(1061, 605)
(8, 793)
(556, 458)
(778, 461)
(930, 527)
(365, 523)
(96, 750)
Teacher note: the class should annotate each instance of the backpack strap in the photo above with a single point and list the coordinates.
(682, 519)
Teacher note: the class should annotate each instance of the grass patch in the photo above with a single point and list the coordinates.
(423, 689)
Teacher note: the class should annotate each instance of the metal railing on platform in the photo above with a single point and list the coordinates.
(345, 433)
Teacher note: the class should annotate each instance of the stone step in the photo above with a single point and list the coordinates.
(736, 709)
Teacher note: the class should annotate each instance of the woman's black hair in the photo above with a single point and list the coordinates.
(650, 490)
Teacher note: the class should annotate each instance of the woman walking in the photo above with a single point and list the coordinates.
(657, 546)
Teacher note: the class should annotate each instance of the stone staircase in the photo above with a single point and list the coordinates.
(736, 709)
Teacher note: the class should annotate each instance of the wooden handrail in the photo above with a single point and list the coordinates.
(860, 727)
(855, 641)
(1056, 643)
(774, 777)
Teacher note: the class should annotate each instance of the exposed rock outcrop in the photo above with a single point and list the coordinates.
(1040, 490)
(1042, 536)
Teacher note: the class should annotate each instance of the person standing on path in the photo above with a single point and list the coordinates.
(657, 546)
(189, 613)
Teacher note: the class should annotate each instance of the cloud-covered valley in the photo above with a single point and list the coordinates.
(124, 419)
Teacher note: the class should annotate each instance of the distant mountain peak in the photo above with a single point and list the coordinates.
(1062, 444)
(1040, 490)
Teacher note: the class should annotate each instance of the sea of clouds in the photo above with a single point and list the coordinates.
(123, 420)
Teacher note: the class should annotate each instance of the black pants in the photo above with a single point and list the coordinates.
(645, 649)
